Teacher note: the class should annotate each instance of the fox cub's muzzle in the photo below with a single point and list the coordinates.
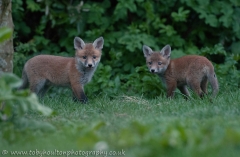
(152, 70)
(90, 63)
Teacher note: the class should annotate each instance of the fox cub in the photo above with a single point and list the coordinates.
(192, 70)
(45, 70)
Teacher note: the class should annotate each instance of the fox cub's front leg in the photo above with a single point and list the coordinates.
(171, 86)
(78, 93)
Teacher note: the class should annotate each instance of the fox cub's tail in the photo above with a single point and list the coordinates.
(24, 79)
(212, 78)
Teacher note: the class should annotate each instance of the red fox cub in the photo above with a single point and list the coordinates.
(192, 70)
(45, 70)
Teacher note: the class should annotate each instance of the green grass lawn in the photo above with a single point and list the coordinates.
(133, 126)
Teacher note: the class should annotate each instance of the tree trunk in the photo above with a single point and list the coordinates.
(6, 47)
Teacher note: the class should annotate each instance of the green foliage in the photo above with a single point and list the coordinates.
(17, 103)
(102, 81)
(5, 33)
(144, 82)
(14, 104)
(208, 28)
(181, 15)
(140, 127)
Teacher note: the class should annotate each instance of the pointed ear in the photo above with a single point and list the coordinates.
(147, 50)
(166, 51)
(78, 43)
(98, 43)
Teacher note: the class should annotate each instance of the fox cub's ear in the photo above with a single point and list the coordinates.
(78, 43)
(166, 51)
(98, 43)
(147, 50)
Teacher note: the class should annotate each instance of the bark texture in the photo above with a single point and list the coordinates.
(6, 47)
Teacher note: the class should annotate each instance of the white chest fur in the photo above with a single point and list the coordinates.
(86, 73)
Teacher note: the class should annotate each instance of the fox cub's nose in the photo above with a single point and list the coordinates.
(89, 65)
(152, 70)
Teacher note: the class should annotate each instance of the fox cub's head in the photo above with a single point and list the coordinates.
(157, 62)
(88, 55)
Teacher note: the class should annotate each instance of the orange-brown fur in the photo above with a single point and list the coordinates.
(45, 70)
(192, 70)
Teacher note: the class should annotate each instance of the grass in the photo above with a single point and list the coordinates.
(132, 125)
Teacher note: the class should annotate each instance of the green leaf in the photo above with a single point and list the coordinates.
(168, 29)
(117, 81)
(212, 20)
(235, 47)
(33, 6)
(18, 102)
(122, 7)
(181, 15)
(34, 104)
(98, 125)
(11, 80)
(5, 33)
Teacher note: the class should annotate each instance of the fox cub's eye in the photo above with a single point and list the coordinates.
(159, 63)
(84, 57)
(94, 57)
(149, 63)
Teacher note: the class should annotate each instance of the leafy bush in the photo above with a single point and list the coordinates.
(17, 103)
(14, 104)
(209, 28)
(144, 82)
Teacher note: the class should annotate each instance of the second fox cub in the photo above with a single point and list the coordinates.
(45, 70)
(192, 70)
